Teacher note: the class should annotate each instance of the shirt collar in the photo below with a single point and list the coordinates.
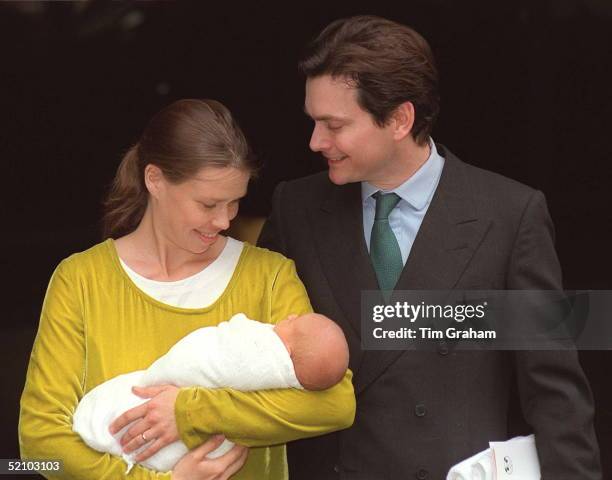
(418, 190)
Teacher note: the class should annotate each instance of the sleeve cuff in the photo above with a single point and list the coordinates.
(184, 423)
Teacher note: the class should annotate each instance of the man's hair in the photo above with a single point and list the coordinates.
(388, 63)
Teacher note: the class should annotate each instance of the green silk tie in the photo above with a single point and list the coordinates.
(384, 249)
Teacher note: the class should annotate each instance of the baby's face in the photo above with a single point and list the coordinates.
(284, 329)
(289, 321)
(317, 348)
(287, 328)
(295, 321)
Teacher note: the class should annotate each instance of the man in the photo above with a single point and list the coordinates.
(371, 89)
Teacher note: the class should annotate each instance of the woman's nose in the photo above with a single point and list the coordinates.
(221, 219)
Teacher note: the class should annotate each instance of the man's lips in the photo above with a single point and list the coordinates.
(335, 160)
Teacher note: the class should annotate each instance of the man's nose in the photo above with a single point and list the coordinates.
(319, 140)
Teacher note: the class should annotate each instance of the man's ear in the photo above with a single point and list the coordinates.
(402, 120)
(154, 179)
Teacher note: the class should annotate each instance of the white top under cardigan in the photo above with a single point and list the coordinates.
(196, 291)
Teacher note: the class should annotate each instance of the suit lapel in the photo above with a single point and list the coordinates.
(447, 239)
(449, 235)
(338, 235)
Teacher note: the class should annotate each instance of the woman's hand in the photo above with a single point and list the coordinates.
(153, 422)
(195, 466)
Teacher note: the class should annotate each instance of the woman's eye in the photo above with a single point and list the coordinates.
(208, 206)
(334, 128)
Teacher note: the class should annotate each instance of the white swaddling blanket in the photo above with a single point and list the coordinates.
(241, 354)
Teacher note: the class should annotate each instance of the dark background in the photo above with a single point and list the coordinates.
(526, 92)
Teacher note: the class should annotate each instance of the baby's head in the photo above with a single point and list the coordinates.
(317, 347)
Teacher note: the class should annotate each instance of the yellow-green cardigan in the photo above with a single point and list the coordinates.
(96, 324)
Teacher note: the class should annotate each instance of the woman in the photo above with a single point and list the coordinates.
(121, 304)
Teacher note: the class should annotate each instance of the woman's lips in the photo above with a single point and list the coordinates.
(207, 237)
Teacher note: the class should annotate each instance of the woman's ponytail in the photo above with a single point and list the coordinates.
(126, 201)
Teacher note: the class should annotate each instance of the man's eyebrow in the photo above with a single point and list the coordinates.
(323, 118)
(306, 112)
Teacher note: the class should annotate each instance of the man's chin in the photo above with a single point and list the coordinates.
(338, 178)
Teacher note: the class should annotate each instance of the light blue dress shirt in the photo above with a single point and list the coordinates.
(415, 193)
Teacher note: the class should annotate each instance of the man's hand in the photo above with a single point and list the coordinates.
(153, 422)
(195, 466)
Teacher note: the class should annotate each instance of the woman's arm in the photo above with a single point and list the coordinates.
(269, 416)
(265, 417)
(54, 385)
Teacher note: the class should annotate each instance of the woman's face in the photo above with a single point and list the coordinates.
(190, 215)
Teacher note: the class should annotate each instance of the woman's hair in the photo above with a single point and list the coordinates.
(182, 138)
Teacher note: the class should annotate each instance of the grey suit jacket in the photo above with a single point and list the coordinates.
(418, 413)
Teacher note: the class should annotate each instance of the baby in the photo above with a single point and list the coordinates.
(305, 352)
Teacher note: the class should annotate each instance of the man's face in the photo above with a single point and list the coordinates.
(355, 147)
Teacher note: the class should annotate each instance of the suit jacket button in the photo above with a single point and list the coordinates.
(443, 348)
(420, 410)
(337, 468)
(422, 474)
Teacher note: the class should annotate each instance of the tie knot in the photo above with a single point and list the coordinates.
(385, 202)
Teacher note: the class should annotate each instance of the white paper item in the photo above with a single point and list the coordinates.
(516, 459)
(484, 469)
(476, 467)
